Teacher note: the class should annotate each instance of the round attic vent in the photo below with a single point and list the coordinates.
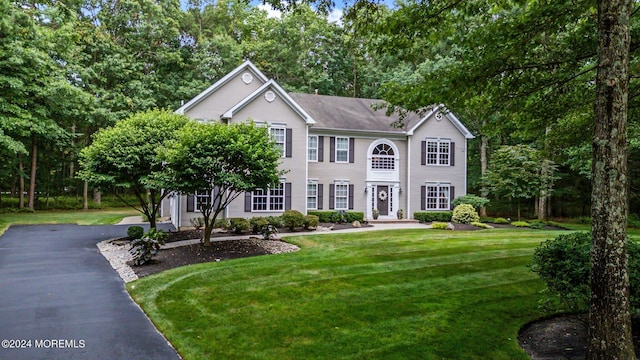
(269, 96)
(439, 116)
(247, 78)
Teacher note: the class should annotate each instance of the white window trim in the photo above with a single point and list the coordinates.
(196, 196)
(346, 150)
(438, 186)
(284, 138)
(315, 184)
(312, 148)
(438, 142)
(335, 195)
(269, 202)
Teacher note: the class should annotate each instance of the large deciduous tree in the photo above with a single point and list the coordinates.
(609, 319)
(222, 160)
(126, 156)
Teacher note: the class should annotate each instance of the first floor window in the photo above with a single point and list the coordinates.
(342, 196)
(312, 196)
(271, 199)
(437, 196)
(203, 199)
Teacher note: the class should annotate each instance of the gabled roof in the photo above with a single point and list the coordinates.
(246, 66)
(273, 86)
(344, 113)
(447, 114)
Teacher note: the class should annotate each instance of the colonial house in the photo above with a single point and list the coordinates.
(339, 153)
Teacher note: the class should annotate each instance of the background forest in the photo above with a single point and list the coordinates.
(521, 76)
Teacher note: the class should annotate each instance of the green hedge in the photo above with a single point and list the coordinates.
(330, 216)
(430, 216)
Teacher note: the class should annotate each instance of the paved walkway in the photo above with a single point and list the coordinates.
(60, 298)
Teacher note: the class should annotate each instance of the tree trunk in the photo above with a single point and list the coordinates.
(32, 180)
(21, 183)
(609, 318)
(484, 144)
(85, 195)
(97, 196)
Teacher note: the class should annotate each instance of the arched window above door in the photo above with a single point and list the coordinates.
(383, 157)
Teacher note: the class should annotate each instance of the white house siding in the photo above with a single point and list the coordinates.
(215, 104)
(279, 113)
(421, 174)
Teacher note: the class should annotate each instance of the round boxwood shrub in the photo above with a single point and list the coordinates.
(563, 264)
(238, 225)
(500, 220)
(135, 232)
(440, 225)
(476, 201)
(222, 224)
(258, 223)
(292, 219)
(311, 221)
(465, 214)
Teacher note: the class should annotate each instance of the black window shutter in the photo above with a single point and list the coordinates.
(452, 195)
(352, 146)
(319, 202)
(351, 190)
(287, 196)
(289, 143)
(332, 149)
(452, 154)
(247, 201)
(423, 153)
(191, 203)
(423, 197)
(332, 196)
(320, 148)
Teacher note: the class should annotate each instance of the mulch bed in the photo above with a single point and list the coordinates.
(562, 337)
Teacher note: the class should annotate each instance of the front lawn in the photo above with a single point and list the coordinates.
(411, 294)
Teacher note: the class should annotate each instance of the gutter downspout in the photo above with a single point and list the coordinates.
(408, 191)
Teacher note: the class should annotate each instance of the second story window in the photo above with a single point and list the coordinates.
(437, 151)
(312, 148)
(279, 136)
(342, 149)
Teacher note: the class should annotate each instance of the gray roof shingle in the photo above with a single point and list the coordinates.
(344, 113)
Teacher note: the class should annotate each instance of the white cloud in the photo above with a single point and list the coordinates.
(271, 12)
(335, 16)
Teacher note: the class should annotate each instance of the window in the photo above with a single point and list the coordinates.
(437, 196)
(203, 199)
(313, 148)
(279, 136)
(438, 152)
(342, 196)
(271, 199)
(342, 149)
(312, 196)
(383, 158)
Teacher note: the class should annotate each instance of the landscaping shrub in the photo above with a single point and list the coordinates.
(144, 249)
(222, 224)
(330, 216)
(292, 219)
(311, 221)
(480, 225)
(537, 224)
(339, 217)
(269, 231)
(563, 264)
(439, 225)
(520, 224)
(257, 223)
(430, 216)
(465, 214)
(500, 220)
(238, 225)
(275, 221)
(476, 201)
(197, 223)
(135, 232)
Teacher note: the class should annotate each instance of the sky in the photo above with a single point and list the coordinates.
(335, 16)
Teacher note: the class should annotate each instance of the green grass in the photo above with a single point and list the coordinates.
(410, 294)
(89, 217)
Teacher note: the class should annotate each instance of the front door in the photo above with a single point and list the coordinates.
(382, 196)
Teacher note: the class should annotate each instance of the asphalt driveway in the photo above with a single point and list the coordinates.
(60, 298)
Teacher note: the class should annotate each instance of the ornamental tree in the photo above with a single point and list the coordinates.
(222, 160)
(125, 156)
